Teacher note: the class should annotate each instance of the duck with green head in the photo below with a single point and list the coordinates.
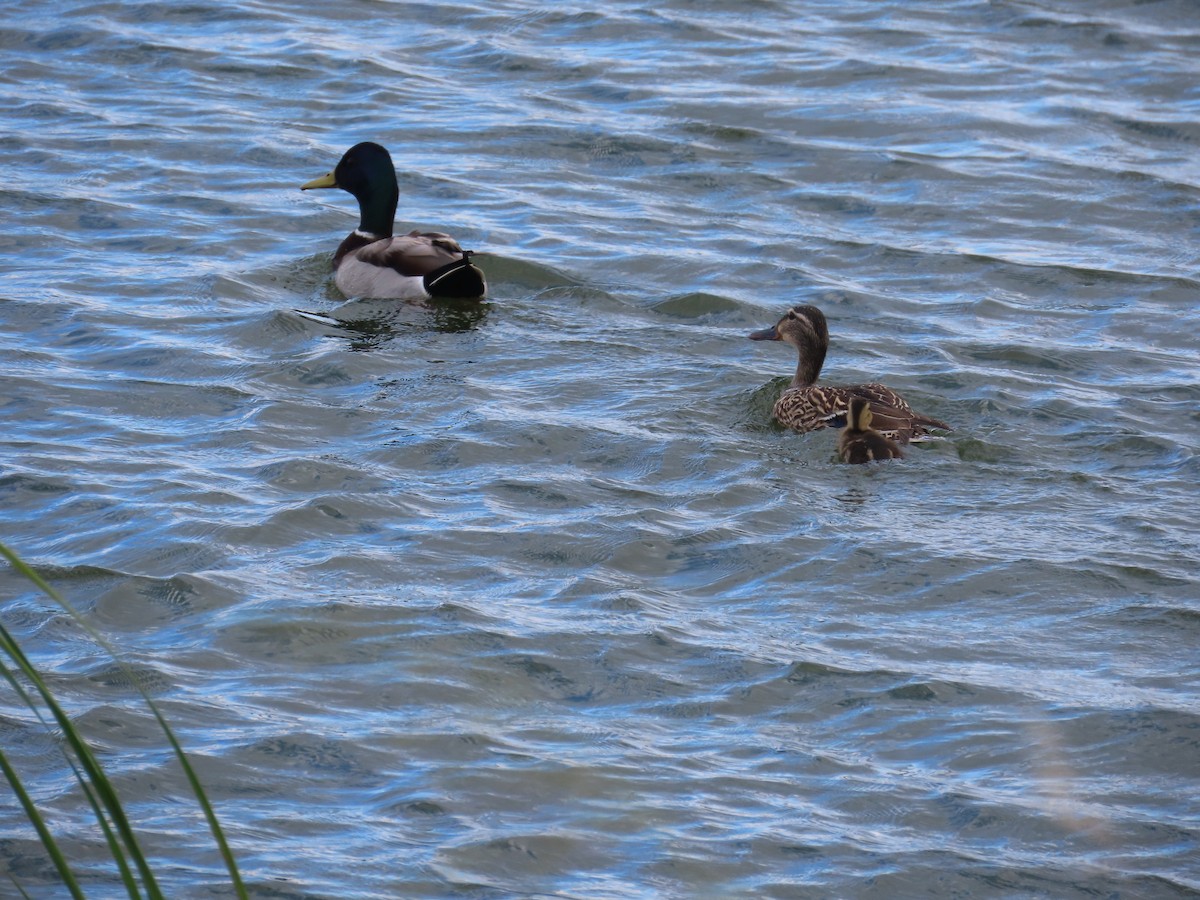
(807, 406)
(374, 262)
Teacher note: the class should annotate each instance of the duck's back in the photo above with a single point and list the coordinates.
(867, 446)
(408, 267)
(820, 406)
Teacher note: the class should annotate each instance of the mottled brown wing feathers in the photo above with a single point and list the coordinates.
(807, 409)
(810, 408)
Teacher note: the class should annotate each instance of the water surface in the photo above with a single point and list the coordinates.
(532, 599)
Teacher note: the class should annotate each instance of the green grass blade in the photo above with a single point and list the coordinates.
(95, 774)
(201, 797)
(39, 824)
(114, 848)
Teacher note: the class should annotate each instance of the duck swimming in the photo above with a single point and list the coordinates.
(371, 261)
(807, 406)
(859, 442)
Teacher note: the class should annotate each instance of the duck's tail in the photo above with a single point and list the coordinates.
(460, 278)
(903, 426)
(920, 421)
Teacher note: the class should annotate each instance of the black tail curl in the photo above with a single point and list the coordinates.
(460, 279)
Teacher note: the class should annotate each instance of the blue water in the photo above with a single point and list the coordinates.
(532, 599)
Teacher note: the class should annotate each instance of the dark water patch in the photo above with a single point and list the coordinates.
(293, 642)
(15, 484)
(804, 674)
(522, 276)
(132, 679)
(370, 325)
(310, 757)
(147, 604)
(694, 305)
(975, 450)
(1182, 621)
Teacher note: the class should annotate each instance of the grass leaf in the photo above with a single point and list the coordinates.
(107, 797)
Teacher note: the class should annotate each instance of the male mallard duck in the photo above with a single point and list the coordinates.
(859, 442)
(805, 406)
(371, 262)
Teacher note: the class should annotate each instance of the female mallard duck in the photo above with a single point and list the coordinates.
(371, 261)
(859, 442)
(805, 406)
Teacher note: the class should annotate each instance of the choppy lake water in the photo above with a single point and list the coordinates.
(532, 599)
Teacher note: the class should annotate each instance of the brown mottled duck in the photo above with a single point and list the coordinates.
(808, 406)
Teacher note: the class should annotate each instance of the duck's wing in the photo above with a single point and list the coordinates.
(880, 396)
(413, 254)
(891, 415)
(820, 406)
(811, 407)
(410, 266)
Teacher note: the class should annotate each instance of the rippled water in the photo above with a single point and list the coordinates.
(533, 599)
